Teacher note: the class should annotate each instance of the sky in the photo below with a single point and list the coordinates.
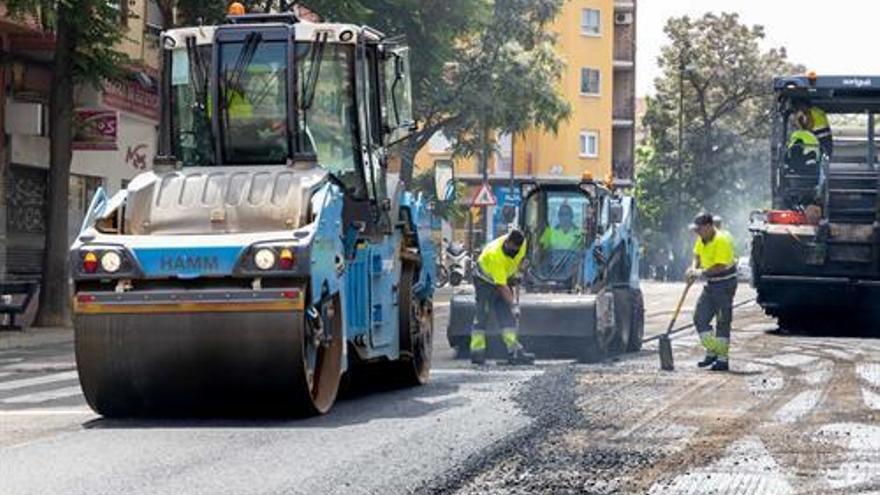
(836, 37)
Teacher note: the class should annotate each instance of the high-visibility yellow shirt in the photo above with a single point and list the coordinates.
(807, 139)
(497, 265)
(718, 251)
(556, 238)
(819, 118)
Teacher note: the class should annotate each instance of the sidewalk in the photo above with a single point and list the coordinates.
(33, 337)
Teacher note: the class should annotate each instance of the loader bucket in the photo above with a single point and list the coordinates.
(551, 325)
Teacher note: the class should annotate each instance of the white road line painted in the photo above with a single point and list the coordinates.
(747, 467)
(44, 396)
(798, 407)
(870, 372)
(37, 380)
(871, 399)
(5, 374)
(860, 466)
(45, 366)
(789, 360)
(49, 412)
(760, 327)
(819, 373)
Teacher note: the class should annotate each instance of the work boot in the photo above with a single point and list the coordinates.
(520, 356)
(478, 357)
(707, 361)
(720, 366)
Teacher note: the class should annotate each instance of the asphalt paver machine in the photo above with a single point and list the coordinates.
(579, 294)
(816, 253)
(270, 249)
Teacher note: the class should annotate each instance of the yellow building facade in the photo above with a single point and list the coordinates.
(596, 40)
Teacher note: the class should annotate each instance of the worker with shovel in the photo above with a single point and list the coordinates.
(714, 262)
(497, 264)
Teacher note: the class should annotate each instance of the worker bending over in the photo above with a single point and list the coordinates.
(499, 261)
(714, 261)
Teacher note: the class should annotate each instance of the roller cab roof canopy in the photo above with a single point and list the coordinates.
(834, 94)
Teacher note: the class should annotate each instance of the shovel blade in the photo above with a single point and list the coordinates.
(666, 362)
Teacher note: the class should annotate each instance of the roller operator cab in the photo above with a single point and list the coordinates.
(270, 249)
(579, 294)
(816, 253)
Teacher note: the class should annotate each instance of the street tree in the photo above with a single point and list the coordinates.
(714, 100)
(478, 64)
(86, 33)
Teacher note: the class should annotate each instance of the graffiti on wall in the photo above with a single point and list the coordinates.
(25, 192)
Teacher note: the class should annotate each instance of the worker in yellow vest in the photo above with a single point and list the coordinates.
(818, 124)
(565, 235)
(497, 264)
(714, 262)
(804, 148)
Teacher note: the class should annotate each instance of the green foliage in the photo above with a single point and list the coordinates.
(452, 211)
(476, 64)
(94, 29)
(727, 104)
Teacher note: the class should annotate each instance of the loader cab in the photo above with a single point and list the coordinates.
(558, 223)
(271, 90)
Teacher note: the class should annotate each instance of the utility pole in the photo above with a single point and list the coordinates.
(484, 165)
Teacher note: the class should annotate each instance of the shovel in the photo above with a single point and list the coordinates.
(665, 343)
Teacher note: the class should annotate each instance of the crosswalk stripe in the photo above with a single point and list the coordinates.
(44, 396)
(37, 380)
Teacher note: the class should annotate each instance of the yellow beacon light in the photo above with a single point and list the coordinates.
(236, 8)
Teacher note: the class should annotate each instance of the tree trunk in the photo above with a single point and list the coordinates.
(4, 170)
(54, 307)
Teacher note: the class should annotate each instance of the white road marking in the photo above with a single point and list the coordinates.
(48, 412)
(870, 372)
(871, 399)
(818, 373)
(41, 366)
(747, 467)
(44, 396)
(5, 374)
(798, 407)
(760, 327)
(37, 380)
(860, 467)
(789, 360)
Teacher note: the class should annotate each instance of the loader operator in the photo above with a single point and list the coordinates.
(817, 123)
(499, 261)
(714, 261)
(803, 145)
(565, 235)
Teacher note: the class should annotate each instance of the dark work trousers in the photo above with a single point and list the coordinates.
(716, 302)
(488, 302)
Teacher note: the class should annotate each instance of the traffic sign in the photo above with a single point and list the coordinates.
(484, 197)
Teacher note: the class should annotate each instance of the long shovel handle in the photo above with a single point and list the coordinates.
(684, 294)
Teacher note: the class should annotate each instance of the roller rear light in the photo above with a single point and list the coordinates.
(90, 262)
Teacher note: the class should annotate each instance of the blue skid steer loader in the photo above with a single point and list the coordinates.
(580, 295)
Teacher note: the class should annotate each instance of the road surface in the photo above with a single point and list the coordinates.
(797, 414)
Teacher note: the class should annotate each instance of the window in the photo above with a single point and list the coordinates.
(589, 144)
(590, 22)
(590, 81)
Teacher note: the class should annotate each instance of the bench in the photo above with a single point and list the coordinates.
(14, 300)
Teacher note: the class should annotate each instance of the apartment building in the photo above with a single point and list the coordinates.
(596, 39)
(115, 131)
